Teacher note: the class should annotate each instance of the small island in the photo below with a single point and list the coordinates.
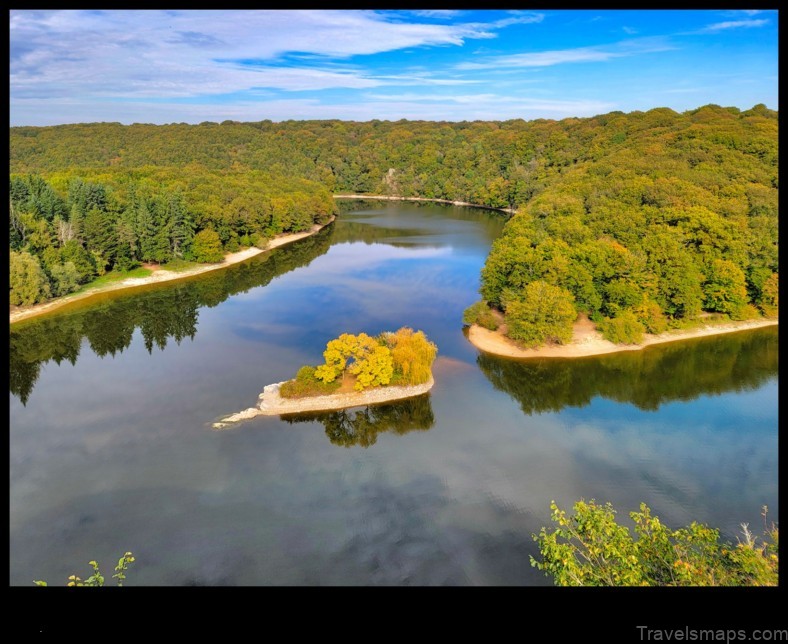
(358, 370)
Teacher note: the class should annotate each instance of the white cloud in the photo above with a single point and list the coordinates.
(576, 55)
(629, 30)
(731, 24)
(183, 53)
(436, 13)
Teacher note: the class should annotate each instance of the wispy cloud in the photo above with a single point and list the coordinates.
(197, 65)
(116, 53)
(443, 14)
(629, 30)
(576, 55)
(730, 24)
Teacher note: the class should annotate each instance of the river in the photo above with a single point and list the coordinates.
(111, 404)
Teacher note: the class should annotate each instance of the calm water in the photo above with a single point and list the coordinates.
(111, 447)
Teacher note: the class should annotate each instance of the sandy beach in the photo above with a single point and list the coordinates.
(162, 275)
(587, 341)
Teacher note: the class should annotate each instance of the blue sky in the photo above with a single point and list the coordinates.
(191, 66)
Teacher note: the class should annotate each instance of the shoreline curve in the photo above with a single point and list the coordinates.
(511, 211)
(162, 275)
(272, 404)
(593, 344)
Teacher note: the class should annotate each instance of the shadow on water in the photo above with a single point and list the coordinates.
(682, 370)
(162, 312)
(361, 428)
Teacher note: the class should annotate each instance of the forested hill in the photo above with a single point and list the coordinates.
(600, 197)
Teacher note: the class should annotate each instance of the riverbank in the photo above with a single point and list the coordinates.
(272, 404)
(587, 341)
(162, 275)
(511, 211)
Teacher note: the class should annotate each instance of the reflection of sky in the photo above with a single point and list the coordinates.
(115, 453)
(358, 287)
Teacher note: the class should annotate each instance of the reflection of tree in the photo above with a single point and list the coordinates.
(646, 379)
(348, 428)
(162, 312)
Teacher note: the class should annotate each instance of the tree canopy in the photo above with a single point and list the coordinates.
(656, 213)
(402, 357)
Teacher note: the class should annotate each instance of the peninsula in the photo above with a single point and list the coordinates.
(586, 340)
(358, 370)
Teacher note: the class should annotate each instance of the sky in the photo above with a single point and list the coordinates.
(191, 66)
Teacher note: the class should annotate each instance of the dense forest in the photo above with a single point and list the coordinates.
(641, 220)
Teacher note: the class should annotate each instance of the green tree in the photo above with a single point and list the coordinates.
(27, 279)
(625, 328)
(100, 235)
(725, 288)
(65, 278)
(770, 295)
(82, 260)
(589, 548)
(181, 225)
(541, 313)
(207, 247)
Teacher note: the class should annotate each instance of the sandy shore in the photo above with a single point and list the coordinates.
(587, 341)
(272, 404)
(162, 275)
(446, 201)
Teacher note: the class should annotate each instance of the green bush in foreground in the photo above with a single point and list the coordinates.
(590, 549)
(97, 579)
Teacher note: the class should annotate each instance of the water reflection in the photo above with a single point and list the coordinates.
(162, 312)
(361, 428)
(681, 370)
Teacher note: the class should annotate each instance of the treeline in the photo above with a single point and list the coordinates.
(162, 312)
(680, 218)
(641, 219)
(73, 226)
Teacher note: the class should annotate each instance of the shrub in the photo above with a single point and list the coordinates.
(591, 549)
(650, 315)
(305, 384)
(624, 329)
(97, 578)
(27, 279)
(65, 278)
(481, 314)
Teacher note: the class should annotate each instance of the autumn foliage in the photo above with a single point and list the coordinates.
(403, 357)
